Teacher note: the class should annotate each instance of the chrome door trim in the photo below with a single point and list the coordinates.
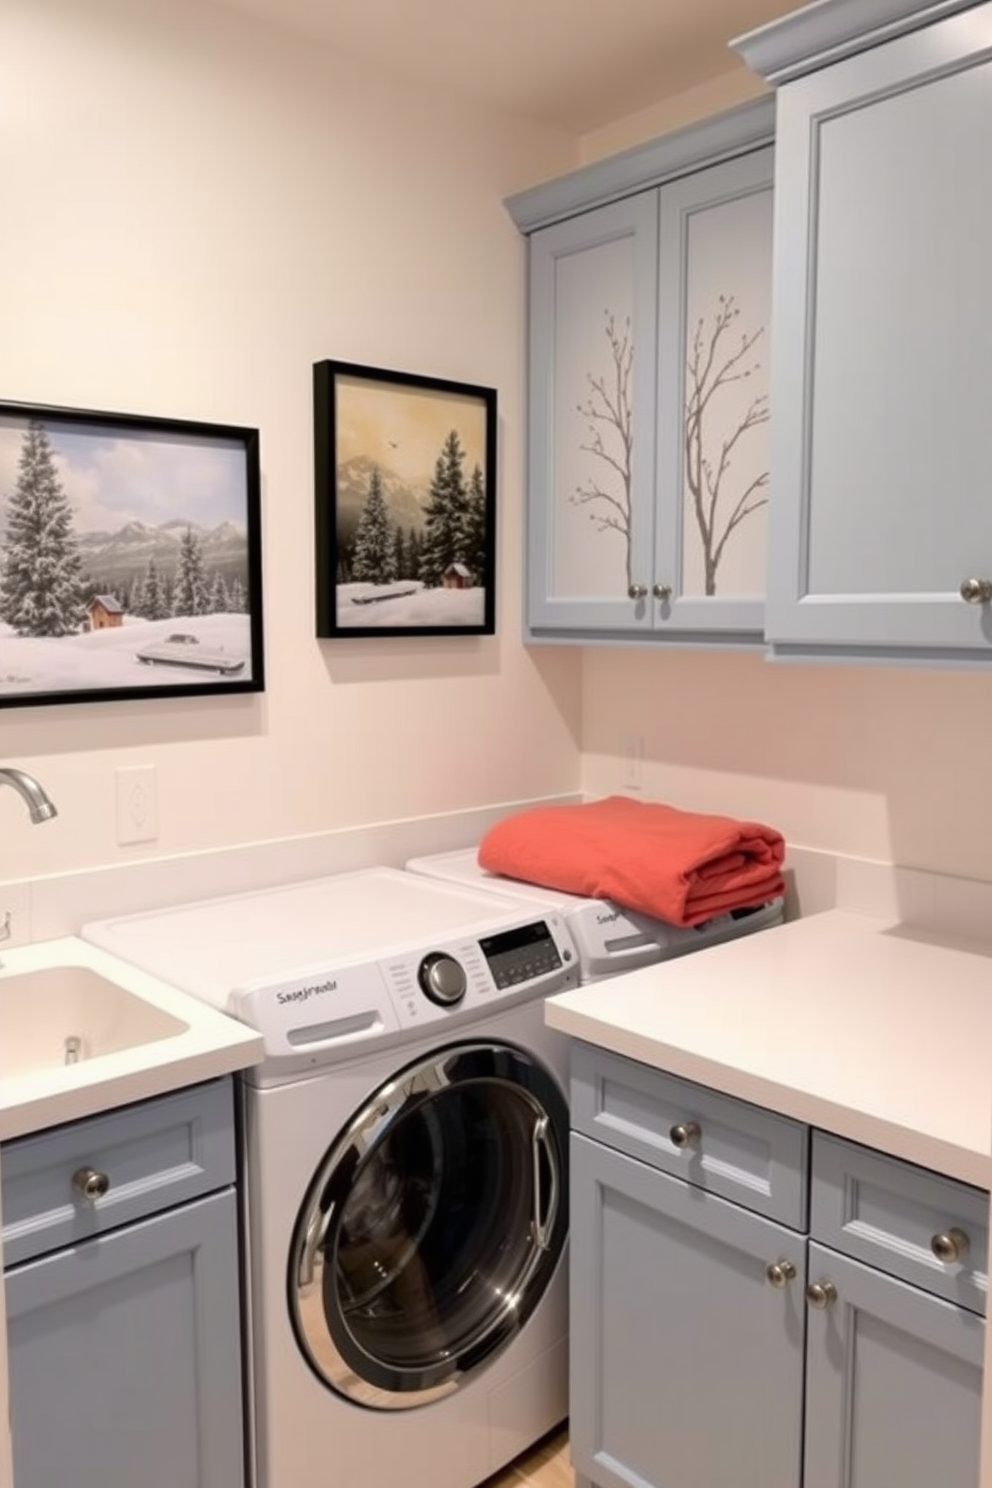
(314, 1235)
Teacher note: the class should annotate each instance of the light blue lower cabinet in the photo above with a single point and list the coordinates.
(686, 1360)
(124, 1355)
(714, 1348)
(894, 1383)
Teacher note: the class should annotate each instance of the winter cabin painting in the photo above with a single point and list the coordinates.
(129, 557)
(405, 503)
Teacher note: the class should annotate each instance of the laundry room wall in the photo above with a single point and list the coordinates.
(198, 206)
(865, 761)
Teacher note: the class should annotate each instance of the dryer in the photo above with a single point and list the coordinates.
(608, 939)
(404, 1170)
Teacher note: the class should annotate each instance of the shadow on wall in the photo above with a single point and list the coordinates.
(86, 727)
(887, 763)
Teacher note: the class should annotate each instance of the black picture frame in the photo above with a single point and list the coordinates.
(405, 508)
(121, 535)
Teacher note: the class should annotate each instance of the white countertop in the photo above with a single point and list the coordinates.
(876, 1031)
(206, 1042)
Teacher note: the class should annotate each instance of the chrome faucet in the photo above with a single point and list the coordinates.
(40, 807)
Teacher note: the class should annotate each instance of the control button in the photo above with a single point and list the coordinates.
(442, 979)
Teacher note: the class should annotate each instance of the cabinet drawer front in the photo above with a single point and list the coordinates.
(155, 1155)
(752, 1156)
(890, 1214)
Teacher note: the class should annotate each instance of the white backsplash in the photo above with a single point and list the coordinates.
(49, 907)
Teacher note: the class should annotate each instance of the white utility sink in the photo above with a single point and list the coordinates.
(59, 1016)
(82, 1031)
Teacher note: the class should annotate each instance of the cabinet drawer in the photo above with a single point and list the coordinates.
(895, 1216)
(751, 1156)
(154, 1155)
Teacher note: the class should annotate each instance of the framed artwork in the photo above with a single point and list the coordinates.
(405, 518)
(130, 558)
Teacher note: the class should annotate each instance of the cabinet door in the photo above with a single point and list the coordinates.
(125, 1357)
(593, 316)
(713, 448)
(686, 1363)
(894, 1383)
(881, 376)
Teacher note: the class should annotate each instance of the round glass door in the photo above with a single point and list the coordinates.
(433, 1227)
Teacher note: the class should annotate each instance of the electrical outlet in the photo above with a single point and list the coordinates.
(137, 804)
(632, 749)
(15, 915)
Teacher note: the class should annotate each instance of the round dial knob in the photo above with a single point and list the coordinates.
(442, 979)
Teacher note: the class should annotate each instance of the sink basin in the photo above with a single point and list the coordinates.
(64, 1015)
(82, 1031)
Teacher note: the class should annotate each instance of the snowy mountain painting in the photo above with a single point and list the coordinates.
(129, 559)
(405, 504)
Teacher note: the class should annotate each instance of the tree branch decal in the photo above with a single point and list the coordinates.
(607, 411)
(714, 363)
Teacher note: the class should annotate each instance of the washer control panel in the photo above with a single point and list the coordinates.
(335, 1013)
(459, 977)
(522, 954)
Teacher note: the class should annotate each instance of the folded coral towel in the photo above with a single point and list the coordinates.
(679, 866)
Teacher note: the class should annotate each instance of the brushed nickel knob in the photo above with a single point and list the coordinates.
(684, 1133)
(637, 591)
(950, 1245)
(90, 1184)
(779, 1273)
(662, 592)
(442, 979)
(820, 1294)
(976, 591)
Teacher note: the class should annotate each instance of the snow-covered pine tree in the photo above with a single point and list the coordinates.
(40, 579)
(475, 550)
(190, 595)
(412, 554)
(136, 596)
(445, 536)
(219, 601)
(237, 598)
(399, 554)
(155, 598)
(374, 558)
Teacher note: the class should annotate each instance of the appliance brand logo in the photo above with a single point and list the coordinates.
(608, 918)
(304, 994)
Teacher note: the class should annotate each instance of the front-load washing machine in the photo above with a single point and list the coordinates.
(608, 939)
(404, 1168)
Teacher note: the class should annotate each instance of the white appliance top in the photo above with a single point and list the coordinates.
(607, 939)
(324, 967)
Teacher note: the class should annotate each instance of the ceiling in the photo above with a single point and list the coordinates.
(574, 64)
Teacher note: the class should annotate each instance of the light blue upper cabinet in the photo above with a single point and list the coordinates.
(593, 283)
(712, 412)
(881, 527)
(648, 464)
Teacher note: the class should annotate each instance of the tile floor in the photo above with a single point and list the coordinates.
(544, 1466)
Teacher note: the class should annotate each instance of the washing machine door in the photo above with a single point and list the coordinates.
(433, 1227)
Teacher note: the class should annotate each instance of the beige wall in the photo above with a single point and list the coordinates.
(870, 761)
(726, 91)
(196, 208)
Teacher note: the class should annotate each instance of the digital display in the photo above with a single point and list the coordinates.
(521, 955)
(519, 939)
